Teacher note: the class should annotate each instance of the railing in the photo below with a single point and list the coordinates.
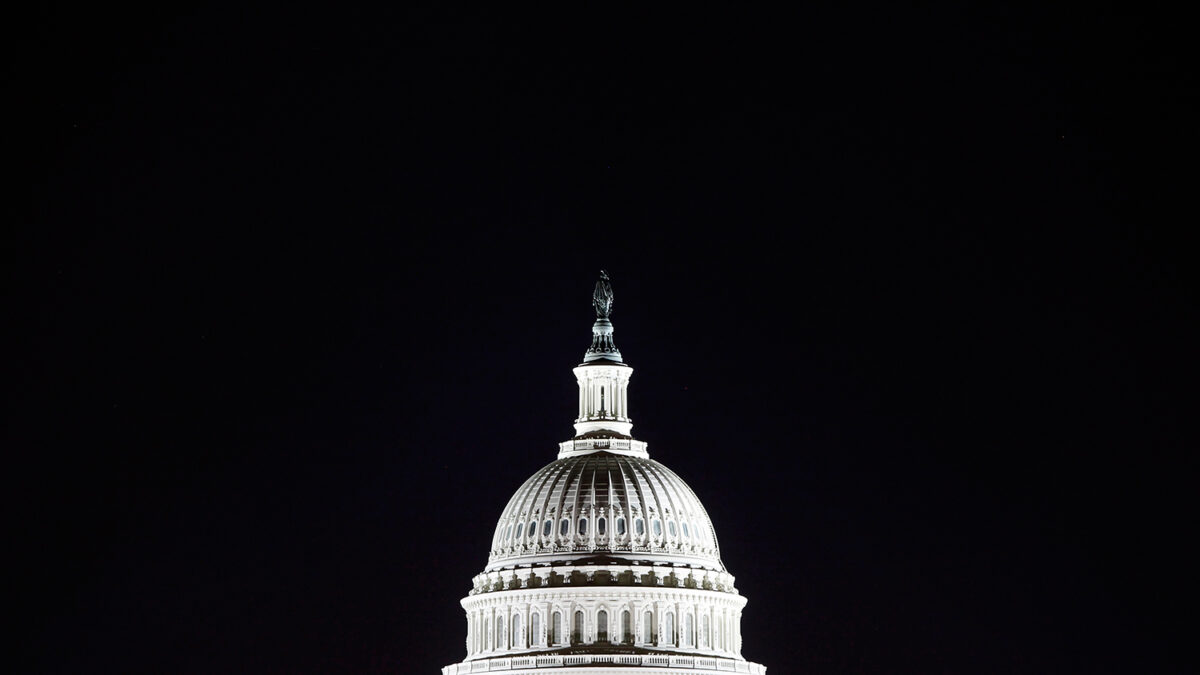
(501, 580)
(652, 660)
(590, 444)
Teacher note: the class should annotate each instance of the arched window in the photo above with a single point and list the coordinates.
(508, 533)
(626, 627)
(563, 527)
(639, 526)
(657, 527)
(487, 633)
(671, 527)
(520, 529)
(583, 527)
(533, 529)
(577, 629)
(686, 638)
(601, 527)
(685, 531)
(668, 635)
(648, 628)
(704, 631)
(517, 642)
(546, 529)
(620, 527)
(556, 629)
(499, 632)
(535, 627)
(602, 626)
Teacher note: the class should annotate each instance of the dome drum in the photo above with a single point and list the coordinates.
(614, 620)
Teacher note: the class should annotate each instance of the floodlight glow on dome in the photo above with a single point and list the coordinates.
(604, 560)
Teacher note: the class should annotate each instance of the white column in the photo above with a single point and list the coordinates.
(624, 399)
(737, 632)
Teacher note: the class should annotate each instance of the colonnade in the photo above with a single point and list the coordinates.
(603, 393)
(702, 626)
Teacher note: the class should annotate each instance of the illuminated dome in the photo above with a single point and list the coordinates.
(604, 561)
(604, 503)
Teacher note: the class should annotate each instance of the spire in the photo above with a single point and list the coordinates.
(603, 348)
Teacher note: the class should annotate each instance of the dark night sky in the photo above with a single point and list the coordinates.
(293, 296)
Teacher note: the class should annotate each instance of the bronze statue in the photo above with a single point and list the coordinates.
(602, 298)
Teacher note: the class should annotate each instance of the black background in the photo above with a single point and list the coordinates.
(294, 294)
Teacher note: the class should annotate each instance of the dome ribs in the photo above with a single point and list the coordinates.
(617, 486)
(570, 490)
(536, 510)
(656, 486)
(663, 510)
(641, 506)
(705, 520)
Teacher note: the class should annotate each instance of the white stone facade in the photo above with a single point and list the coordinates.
(604, 561)
(683, 620)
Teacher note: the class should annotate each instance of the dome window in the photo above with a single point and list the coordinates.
(621, 527)
(577, 629)
(685, 531)
(671, 527)
(583, 527)
(657, 526)
(601, 526)
(563, 527)
(639, 526)
(533, 529)
(508, 533)
(520, 529)
(546, 529)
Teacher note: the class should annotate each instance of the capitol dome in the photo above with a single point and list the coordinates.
(604, 561)
(604, 502)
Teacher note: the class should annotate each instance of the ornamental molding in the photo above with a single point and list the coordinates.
(604, 576)
(594, 597)
(577, 664)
